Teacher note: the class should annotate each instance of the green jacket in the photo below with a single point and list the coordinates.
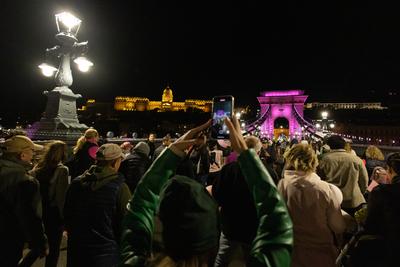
(20, 205)
(272, 245)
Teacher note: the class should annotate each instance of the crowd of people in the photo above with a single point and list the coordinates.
(194, 201)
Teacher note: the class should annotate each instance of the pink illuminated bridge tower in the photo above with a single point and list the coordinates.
(282, 113)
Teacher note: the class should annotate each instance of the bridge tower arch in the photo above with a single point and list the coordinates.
(287, 104)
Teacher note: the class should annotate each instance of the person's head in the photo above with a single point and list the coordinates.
(265, 143)
(393, 165)
(126, 147)
(20, 147)
(380, 175)
(190, 220)
(254, 143)
(166, 140)
(301, 158)
(152, 137)
(90, 135)
(373, 152)
(109, 155)
(336, 142)
(293, 142)
(304, 142)
(55, 153)
(325, 149)
(143, 148)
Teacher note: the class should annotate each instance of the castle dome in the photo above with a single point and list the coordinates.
(167, 95)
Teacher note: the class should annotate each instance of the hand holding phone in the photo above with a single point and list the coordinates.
(222, 108)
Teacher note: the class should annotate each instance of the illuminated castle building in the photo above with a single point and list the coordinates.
(128, 103)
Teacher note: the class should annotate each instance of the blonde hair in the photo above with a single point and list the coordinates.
(253, 142)
(347, 147)
(301, 157)
(89, 134)
(374, 152)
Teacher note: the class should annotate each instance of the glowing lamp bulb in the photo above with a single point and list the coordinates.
(83, 64)
(47, 70)
(83, 68)
(68, 20)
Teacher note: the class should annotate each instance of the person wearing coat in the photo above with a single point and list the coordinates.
(94, 207)
(314, 206)
(191, 229)
(84, 153)
(383, 217)
(373, 158)
(235, 202)
(20, 204)
(53, 178)
(135, 164)
(346, 171)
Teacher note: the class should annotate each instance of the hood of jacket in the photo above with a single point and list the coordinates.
(97, 177)
(142, 148)
(372, 163)
(294, 176)
(12, 162)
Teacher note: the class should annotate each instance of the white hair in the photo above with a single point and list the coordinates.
(253, 142)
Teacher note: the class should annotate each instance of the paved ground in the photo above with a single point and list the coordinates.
(62, 261)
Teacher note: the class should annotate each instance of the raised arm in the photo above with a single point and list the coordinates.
(273, 243)
(138, 224)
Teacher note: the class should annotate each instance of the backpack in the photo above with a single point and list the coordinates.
(48, 188)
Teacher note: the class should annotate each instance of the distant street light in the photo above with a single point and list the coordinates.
(60, 120)
(318, 125)
(324, 115)
(332, 125)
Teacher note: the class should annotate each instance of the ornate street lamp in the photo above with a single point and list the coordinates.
(60, 120)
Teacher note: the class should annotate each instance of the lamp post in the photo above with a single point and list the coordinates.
(60, 120)
(324, 124)
(324, 115)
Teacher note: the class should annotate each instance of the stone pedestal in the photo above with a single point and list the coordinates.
(60, 121)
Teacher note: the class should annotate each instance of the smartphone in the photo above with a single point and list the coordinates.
(222, 107)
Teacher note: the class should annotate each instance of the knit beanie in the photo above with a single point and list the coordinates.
(189, 217)
(142, 147)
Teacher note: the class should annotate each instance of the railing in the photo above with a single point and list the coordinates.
(309, 127)
(360, 149)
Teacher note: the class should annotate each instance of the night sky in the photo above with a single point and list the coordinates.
(335, 52)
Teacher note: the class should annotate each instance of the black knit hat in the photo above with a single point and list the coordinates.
(190, 219)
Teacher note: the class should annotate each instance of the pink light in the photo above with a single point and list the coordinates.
(283, 93)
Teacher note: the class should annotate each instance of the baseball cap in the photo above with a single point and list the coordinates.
(19, 143)
(109, 152)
